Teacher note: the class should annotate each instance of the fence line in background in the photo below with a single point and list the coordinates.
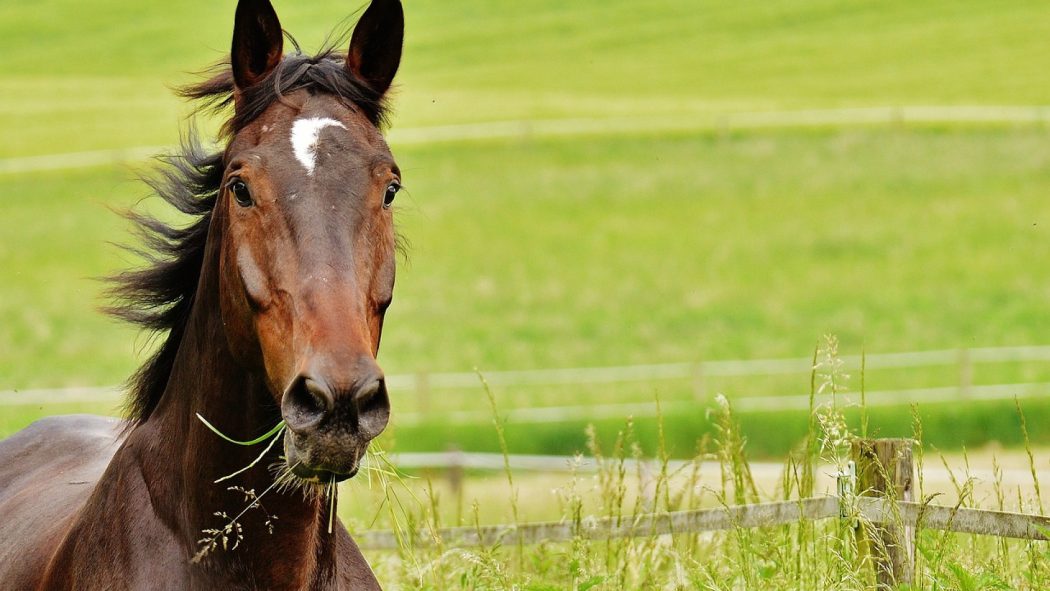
(896, 115)
(456, 461)
(87, 159)
(735, 368)
(696, 372)
(607, 411)
(104, 395)
(551, 414)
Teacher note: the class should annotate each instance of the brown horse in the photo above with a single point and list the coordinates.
(272, 302)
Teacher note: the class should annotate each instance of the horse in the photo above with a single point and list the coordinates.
(268, 307)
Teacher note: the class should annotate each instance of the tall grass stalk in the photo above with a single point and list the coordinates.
(497, 421)
(920, 458)
(863, 394)
(1031, 457)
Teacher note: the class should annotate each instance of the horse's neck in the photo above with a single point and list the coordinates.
(185, 459)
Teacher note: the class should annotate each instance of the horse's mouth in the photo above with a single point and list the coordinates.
(323, 461)
(322, 476)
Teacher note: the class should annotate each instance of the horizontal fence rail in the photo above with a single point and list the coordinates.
(772, 471)
(874, 510)
(103, 395)
(424, 382)
(1001, 524)
(704, 520)
(686, 370)
(553, 414)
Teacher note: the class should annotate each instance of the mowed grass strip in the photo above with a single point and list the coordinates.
(100, 81)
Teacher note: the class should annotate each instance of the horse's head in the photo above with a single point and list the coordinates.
(308, 246)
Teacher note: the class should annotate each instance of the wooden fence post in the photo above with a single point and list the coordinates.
(454, 471)
(885, 470)
(965, 374)
(699, 382)
(423, 391)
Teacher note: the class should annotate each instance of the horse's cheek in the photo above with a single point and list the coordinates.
(237, 315)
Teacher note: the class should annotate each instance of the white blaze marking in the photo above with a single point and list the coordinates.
(305, 133)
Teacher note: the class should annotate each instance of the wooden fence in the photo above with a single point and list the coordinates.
(874, 495)
(424, 384)
(956, 519)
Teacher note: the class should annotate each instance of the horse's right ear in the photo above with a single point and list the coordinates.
(258, 42)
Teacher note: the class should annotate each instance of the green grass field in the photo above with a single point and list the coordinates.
(703, 242)
(590, 249)
(98, 80)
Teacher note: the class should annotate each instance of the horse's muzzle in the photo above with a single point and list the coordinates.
(329, 428)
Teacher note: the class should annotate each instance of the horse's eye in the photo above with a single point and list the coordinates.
(391, 192)
(240, 192)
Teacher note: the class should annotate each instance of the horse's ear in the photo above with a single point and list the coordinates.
(257, 42)
(375, 48)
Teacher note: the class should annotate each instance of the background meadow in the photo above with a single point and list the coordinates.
(611, 183)
(585, 190)
(623, 219)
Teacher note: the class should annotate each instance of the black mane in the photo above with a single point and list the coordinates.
(160, 296)
(323, 73)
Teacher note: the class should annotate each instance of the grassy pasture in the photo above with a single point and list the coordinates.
(98, 80)
(589, 250)
(616, 251)
(596, 249)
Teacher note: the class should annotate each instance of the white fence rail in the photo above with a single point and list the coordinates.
(685, 370)
(553, 414)
(423, 383)
(456, 461)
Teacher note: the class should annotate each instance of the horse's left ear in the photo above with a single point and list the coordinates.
(258, 42)
(375, 48)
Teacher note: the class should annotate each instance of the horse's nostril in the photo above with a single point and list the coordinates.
(305, 404)
(310, 407)
(366, 392)
(373, 407)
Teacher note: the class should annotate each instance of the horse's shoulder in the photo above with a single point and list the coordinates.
(56, 438)
(74, 448)
(47, 472)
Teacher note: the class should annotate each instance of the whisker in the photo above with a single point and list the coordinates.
(333, 492)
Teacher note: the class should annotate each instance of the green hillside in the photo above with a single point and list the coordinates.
(588, 249)
(98, 80)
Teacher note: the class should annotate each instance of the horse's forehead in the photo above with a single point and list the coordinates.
(302, 133)
(303, 112)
